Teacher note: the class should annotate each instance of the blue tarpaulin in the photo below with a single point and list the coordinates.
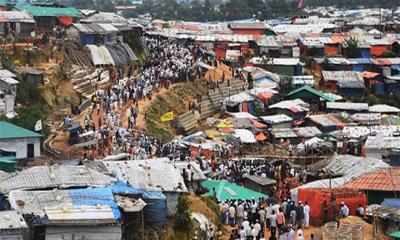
(123, 188)
(156, 210)
(391, 203)
(94, 197)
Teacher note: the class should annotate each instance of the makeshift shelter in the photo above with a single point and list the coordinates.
(259, 184)
(84, 222)
(49, 15)
(13, 226)
(308, 93)
(18, 144)
(278, 121)
(49, 177)
(156, 209)
(315, 198)
(152, 175)
(325, 122)
(283, 66)
(377, 185)
(330, 79)
(18, 22)
(230, 191)
(341, 169)
(296, 109)
(380, 146)
(245, 136)
(348, 107)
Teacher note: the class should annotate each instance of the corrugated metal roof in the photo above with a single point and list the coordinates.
(12, 220)
(317, 42)
(249, 25)
(17, 16)
(347, 106)
(150, 175)
(338, 76)
(42, 177)
(268, 41)
(326, 120)
(279, 118)
(296, 105)
(383, 108)
(83, 214)
(195, 168)
(275, 61)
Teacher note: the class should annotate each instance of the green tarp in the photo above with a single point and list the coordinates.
(7, 164)
(308, 93)
(395, 235)
(41, 11)
(227, 191)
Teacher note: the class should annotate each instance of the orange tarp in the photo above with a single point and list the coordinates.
(261, 137)
(66, 21)
(316, 198)
(331, 49)
(378, 50)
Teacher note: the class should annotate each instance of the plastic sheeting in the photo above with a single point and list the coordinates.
(94, 197)
(118, 54)
(156, 210)
(123, 188)
(245, 136)
(100, 55)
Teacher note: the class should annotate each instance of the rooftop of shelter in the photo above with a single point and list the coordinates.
(12, 220)
(48, 11)
(45, 177)
(380, 180)
(11, 131)
(249, 25)
(151, 175)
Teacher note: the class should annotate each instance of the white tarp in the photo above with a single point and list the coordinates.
(100, 55)
(245, 136)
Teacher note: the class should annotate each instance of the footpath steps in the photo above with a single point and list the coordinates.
(210, 105)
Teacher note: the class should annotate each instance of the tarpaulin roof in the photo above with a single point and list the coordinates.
(40, 11)
(312, 91)
(100, 55)
(391, 202)
(245, 136)
(123, 188)
(36, 201)
(230, 191)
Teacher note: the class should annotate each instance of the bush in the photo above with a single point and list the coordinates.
(182, 215)
(389, 54)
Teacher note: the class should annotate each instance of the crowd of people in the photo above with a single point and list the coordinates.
(113, 112)
(250, 219)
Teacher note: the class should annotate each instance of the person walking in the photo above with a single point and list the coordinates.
(300, 214)
(307, 211)
(273, 223)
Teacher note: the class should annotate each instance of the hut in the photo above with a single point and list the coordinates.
(13, 225)
(377, 185)
(153, 175)
(49, 15)
(250, 28)
(259, 184)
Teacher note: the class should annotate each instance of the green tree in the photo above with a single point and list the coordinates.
(182, 215)
(389, 54)
(352, 47)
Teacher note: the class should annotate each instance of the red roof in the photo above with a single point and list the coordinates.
(381, 180)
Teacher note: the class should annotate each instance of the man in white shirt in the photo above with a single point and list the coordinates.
(240, 213)
(307, 211)
(242, 233)
(232, 215)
